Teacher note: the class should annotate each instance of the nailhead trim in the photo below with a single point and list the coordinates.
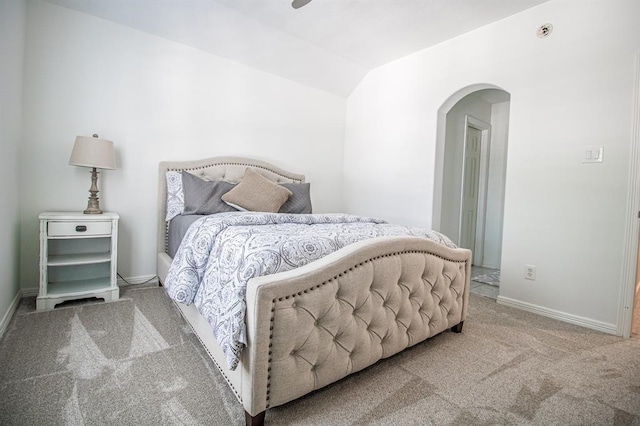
(273, 310)
(335, 277)
(166, 237)
(367, 261)
(179, 169)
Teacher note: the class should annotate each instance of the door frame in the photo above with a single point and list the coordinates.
(632, 227)
(441, 134)
(483, 179)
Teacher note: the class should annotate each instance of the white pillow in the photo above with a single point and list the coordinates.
(175, 195)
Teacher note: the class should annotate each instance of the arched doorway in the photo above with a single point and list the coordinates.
(470, 172)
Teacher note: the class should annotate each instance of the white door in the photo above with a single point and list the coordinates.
(470, 183)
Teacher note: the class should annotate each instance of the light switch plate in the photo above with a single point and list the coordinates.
(593, 154)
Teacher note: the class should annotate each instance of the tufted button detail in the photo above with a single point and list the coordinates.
(416, 306)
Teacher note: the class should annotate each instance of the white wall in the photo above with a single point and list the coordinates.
(568, 91)
(157, 100)
(496, 185)
(12, 36)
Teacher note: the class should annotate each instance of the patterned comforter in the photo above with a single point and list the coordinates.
(220, 253)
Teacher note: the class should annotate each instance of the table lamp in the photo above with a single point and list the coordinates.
(95, 153)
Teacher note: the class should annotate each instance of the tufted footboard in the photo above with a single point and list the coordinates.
(314, 325)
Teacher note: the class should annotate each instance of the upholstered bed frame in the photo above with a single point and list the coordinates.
(314, 325)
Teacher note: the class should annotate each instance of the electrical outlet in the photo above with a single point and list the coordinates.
(530, 272)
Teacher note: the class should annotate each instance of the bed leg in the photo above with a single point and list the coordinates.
(257, 420)
(458, 327)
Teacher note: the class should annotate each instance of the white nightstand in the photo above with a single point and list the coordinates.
(78, 257)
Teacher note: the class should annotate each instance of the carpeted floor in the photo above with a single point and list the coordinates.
(136, 362)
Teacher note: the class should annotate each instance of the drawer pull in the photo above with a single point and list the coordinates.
(81, 228)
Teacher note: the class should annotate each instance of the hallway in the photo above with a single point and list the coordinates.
(483, 288)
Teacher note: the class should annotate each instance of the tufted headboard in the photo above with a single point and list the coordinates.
(230, 169)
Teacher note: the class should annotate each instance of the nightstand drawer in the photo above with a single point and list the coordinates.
(76, 229)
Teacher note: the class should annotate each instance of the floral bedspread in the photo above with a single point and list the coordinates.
(220, 253)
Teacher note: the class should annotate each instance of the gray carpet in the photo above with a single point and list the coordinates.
(136, 362)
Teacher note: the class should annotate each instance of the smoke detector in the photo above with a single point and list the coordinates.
(545, 30)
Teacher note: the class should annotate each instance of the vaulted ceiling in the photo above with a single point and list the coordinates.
(327, 44)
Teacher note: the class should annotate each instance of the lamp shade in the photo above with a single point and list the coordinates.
(93, 152)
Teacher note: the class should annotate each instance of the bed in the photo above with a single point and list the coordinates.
(366, 301)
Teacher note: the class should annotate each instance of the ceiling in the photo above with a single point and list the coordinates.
(327, 44)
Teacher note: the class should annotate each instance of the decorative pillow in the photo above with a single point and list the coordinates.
(175, 195)
(256, 193)
(204, 197)
(300, 200)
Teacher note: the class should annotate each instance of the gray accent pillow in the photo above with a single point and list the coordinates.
(256, 193)
(300, 200)
(204, 197)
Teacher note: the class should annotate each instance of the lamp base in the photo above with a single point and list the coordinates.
(93, 207)
(91, 210)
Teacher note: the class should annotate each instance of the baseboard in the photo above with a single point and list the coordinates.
(33, 291)
(145, 279)
(9, 314)
(27, 292)
(560, 316)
